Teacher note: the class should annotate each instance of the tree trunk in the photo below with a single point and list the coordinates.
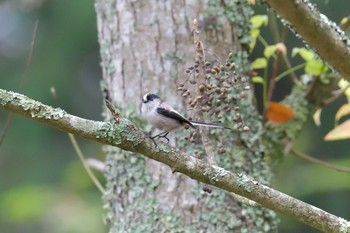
(146, 46)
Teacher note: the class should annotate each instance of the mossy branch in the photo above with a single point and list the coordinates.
(123, 134)
(320, 33)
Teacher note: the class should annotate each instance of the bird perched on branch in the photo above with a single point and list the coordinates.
(164, 117)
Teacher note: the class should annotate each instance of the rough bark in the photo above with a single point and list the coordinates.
(146, 47)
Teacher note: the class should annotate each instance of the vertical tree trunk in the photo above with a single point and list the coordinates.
(146, 46)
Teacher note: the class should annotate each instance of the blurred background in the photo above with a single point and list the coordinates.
(43, 186)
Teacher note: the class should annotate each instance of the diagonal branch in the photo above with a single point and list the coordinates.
(320, 33)
(123, 134)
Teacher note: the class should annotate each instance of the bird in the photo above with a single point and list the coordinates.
(165, 118)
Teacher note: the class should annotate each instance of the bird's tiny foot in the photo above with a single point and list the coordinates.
(148, 134)
(154, 141)
(164, 136)
(161, 135)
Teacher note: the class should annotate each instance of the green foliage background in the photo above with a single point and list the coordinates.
(43, 187)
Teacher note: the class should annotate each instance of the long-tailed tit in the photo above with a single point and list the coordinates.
(164, 117)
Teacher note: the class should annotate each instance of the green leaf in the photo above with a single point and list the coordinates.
(269, 50)
(306, 54)
(259, 63)
(254, 33)
(259, 20)
(340, 132)
(344, 20)
(258, 79)
(315, 67)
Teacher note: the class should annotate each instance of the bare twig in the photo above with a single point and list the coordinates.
(30, 56)
(335, 96)
(320, 162)
(126, 136)
(274, 27)
(286, 61)
(96, 164)
(115, 115)
(24, 78)
(79, 153)
(275, 66)
(290, 71)
(86, 166)
(279, 38)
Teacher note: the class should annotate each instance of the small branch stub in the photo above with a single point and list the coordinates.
(117, 117)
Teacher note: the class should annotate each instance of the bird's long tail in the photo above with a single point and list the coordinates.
(198, 123)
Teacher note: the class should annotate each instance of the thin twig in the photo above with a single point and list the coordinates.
(274, 27)
(286, 61)
(289, 71)
(96, 164)
(115, 115)
(265, 90)
(86, 166)
(263, 41)
(30, 56)
(23, 79)
(274, 72)
(279, 54)
(320, 162)
(336, 96)
(78, 151)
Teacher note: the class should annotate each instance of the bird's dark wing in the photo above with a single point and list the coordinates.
(174, 115)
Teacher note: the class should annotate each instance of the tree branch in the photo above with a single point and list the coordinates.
(123, 134)
(320, 33)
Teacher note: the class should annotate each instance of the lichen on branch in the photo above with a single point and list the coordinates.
(125, 135)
